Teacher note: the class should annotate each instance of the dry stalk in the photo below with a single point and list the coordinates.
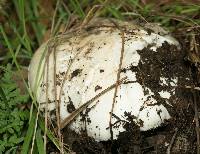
(55, 89)
(118, 77)
(75, 113)
(56, 101)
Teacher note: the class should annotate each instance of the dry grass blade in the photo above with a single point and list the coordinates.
(54, 17)
(185, 20)
(90, 15)
(75, 113)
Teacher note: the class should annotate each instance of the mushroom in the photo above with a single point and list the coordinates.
(80, 65)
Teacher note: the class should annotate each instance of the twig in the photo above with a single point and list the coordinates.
(172, 141)
(118, 77)
(75, 113)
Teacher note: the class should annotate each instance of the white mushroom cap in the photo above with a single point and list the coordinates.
(92, 60)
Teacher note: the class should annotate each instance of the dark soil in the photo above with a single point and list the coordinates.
(178, 133)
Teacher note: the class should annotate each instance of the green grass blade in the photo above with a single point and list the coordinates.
(135, 3)
(32, 13)
(29, 134)
(20, 8)
(23, 40)
(115, 12)
(49, 133)
(39, 141)
(76, 6)
(14, 58)
(8, 44)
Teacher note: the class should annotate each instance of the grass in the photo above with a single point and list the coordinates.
(25, 25)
